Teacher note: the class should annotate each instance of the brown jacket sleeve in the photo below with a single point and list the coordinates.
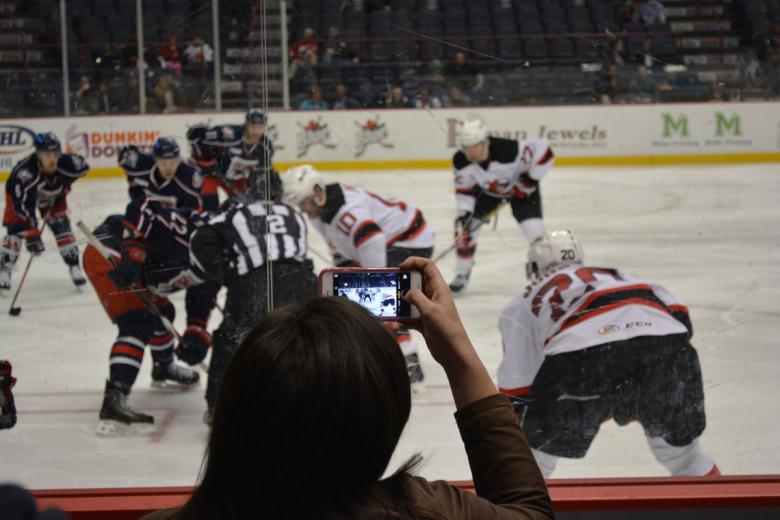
(508, 482)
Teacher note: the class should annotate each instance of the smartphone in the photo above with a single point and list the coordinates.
(376, 289)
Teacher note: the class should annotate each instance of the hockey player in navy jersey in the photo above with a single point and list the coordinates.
(363, 229)
(229, 153)
(162, 176)
(488, 171)
(583, 345)
(39, 184)
(151, 245)
(250, 242)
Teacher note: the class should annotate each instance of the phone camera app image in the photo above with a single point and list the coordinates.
(377, 292)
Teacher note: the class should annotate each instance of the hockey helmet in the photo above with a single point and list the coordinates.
(299, 183)
(166, 148)
(47, 142)
(259, 182)
(551, 249)
(472, 131)
(255, 116)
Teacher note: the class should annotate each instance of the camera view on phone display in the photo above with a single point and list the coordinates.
(378, 292)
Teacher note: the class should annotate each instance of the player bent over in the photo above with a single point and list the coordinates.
(363, 230)
(586, 344)
(237, 248)
(7, 407)
(41, 181)
(489, 171)
(229, 154)
(150, 244)
(162, 176)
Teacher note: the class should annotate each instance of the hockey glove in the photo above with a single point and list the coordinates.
(7, 407)
(129, 269)
(194, 346)
(33, 242)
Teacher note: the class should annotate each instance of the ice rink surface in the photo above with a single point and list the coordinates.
(708, 233)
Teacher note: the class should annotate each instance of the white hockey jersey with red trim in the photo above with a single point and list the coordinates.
(575, 307)
(512, 169)
(359, 225)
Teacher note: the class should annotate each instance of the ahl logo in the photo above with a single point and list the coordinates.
(371, 132)
(15, 139)
(314, 132)
(608, 329)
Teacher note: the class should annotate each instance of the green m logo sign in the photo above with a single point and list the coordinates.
(678, 126)
(732, 125)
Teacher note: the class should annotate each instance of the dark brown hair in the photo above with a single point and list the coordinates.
(309, 412)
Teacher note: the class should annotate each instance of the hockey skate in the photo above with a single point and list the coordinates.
(76, 275)
(416, 375)
(5, 279)
(459, 284)
(168, 374)
(117, 418)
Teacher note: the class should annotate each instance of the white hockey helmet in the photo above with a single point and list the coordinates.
(472, 131)
(299, 182)
(551, 249)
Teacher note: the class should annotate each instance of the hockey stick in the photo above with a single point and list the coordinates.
(106, 254)
(454, 245)
(16, 311)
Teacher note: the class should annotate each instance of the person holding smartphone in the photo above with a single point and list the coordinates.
(363, 229)
(317, 445)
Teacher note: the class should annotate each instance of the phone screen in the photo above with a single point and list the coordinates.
(379, 292)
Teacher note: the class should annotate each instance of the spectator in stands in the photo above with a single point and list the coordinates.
(337, 50)
(608, 85)
(647, 58)
(314, 101)
(106, 101)
(198, 55)
(342, 100)
(436, 78)
(304, 50)
(643, 88)
(129, 97)
(464, 75)
(425, 99)
(167, 94)
(616, 53)
(653, 12)
(170, 56)
(456, 98)
(317, 445)
(397, 98)
(84, 97)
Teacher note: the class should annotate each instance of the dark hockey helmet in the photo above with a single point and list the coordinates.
(255, 116)
(47, 142)
(166, 148)
(259, 182)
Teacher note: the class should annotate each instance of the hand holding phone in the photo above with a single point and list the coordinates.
(378, 290)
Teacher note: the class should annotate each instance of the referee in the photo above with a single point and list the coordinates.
(256, 247)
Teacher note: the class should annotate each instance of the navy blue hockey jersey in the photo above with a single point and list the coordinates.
(29, 188)
(145, 182)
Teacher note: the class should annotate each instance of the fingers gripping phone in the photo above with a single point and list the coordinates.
(377, 289)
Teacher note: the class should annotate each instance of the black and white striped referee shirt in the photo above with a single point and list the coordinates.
(247, 237)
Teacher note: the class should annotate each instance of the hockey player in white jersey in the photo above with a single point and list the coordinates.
(488, 171)
(586, 344)
(363, 229)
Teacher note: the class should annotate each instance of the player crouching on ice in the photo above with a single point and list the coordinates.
(363, 229)
(151, 245)
(488, 171)
(41, 181)
(586, 344)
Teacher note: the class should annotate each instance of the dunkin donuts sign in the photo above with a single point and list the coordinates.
(105, 144)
